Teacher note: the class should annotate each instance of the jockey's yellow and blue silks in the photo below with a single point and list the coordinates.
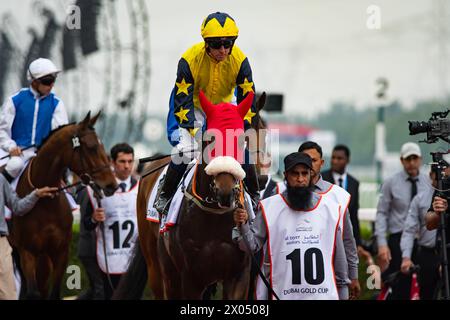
(218, 80)
(219, 25)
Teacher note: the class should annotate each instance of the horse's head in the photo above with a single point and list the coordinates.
(227, 174)
(88, 158)
(225, 123)
(225, 188)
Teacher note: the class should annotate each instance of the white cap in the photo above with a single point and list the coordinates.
(40, 68)
(410, 149)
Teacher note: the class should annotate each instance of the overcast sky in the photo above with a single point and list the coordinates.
(314, 52)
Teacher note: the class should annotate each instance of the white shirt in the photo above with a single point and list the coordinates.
(127, 182)
(337, 176)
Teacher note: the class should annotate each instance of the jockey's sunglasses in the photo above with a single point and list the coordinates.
(47, 80)
(217, 44)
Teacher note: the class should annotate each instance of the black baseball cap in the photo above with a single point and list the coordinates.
(295, 158)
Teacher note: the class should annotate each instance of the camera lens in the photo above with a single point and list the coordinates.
(416, 127)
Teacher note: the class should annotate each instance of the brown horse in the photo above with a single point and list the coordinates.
(206, 236)
(42, 236)
(199, 251)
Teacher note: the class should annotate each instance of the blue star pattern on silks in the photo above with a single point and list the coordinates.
(219, 16)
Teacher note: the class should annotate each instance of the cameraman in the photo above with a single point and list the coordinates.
(427, 256)
(438, 207)
(396, 195)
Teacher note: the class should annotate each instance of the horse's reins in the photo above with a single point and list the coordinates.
(83, 182)
(76, 144)
(204, 208)
(22, 149)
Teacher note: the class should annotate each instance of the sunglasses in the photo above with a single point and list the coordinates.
(217, 44)
(47, 80)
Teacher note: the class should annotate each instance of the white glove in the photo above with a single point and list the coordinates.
(187, 144)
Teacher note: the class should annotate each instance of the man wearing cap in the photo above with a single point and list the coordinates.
(392, 210)
(299, 231)
(28, 117)
(342, 197)
(219, 68)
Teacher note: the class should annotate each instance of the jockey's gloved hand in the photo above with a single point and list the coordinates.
(187, 145)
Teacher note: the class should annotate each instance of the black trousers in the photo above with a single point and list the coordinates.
(115, 278)
(254, 275)
(401, 289)
(429, 261)
(96, 289)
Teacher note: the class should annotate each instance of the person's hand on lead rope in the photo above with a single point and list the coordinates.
(240, 216)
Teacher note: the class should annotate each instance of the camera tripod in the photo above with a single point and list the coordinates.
(438, 167)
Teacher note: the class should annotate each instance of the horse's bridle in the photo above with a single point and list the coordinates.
(76, 146)
(204, 203)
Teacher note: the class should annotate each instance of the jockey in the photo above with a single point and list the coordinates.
(28, 117)
(219, 68)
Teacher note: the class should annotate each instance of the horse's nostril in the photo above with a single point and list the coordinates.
(224, 199)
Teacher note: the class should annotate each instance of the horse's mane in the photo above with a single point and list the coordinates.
(57, 130)
(53, 132)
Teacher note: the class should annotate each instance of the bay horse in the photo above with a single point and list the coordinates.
(42, 237)
(152, 262)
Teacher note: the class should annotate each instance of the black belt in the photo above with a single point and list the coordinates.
(3, 235)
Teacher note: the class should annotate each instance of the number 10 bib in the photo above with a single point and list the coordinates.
(300, 245)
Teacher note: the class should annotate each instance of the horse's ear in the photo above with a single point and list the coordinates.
(245, 104)
(93, 120)
(205, 103)
(261, 102)
(85, 122)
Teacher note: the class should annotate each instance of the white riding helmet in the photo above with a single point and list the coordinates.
(40, 68)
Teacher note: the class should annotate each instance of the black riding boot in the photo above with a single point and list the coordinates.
(252, 184)
(170, 183)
